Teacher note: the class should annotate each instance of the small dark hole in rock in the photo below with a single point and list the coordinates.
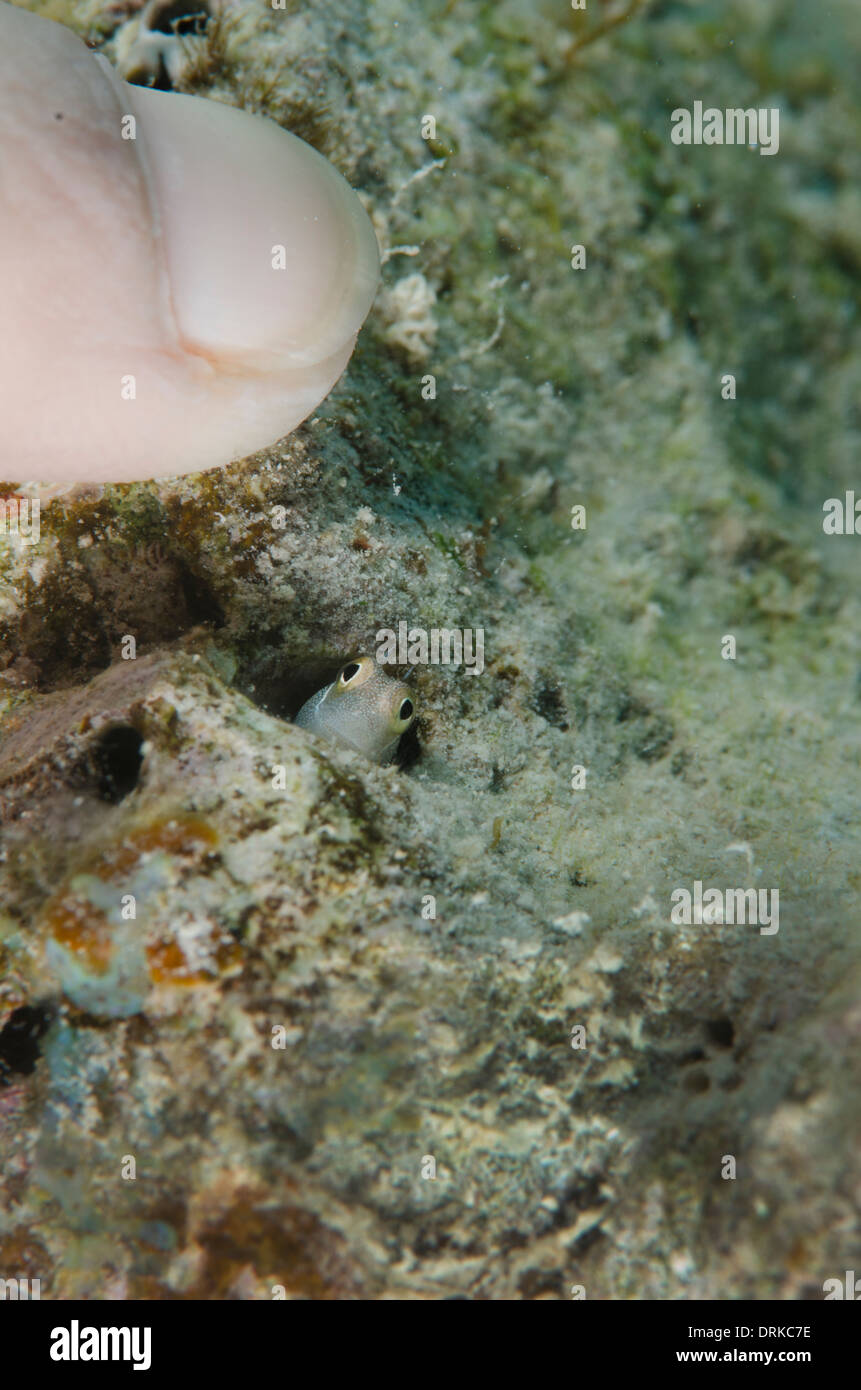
(547, 701)
(201, 602)
(180, 17)
(117, 760)
(282, 687)
(720, 1032)
(19, 1039)
(409, 749)
(160, 83)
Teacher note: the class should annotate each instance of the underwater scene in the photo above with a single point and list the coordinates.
(430, 651)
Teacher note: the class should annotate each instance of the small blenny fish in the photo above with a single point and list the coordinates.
(363, 709)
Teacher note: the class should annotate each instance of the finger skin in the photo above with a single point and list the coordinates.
(145, 329)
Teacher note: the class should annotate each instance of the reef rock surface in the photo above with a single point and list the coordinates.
(271, 1017)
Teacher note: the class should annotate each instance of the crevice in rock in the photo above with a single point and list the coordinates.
(117, 758)
(20, 1039)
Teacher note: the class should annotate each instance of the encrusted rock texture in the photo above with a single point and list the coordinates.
(250, 985)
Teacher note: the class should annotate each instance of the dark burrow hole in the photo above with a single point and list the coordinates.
(409, 749)
(180, 17)
(720, 1032)
(547, 700)
(20, 1037)
(201, 600)
(116, 758)
(282, 686)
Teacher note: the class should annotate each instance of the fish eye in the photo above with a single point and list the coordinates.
(403, 714)
(355, 674)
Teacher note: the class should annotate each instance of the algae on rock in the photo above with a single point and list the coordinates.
(281, 1034)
